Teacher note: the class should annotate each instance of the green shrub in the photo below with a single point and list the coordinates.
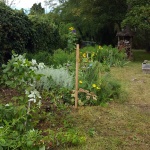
(15, 31)
(60, 57)
(16, 128)
(110, 89)
(45, 33)
(41, 56)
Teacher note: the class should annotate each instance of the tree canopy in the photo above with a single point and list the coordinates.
(37, 9)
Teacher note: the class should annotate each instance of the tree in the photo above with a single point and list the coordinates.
(94, 19)
(138, 18)
(8, 2)
(37, 9)
(51, 4)
(138, 15)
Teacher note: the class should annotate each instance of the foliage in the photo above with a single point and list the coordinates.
(16, 128)
(138, 16)
(107, 55)
(37, 9)
(41, 56)
(138, 19)
(72, 39)
(45, 34)
(18, 120)
(15, 31)
(95, 19)
(95, 86)
(61, 57)
(66, 138)
(19, 72)
(55, 78)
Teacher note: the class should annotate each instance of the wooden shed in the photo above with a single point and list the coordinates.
(125, 41)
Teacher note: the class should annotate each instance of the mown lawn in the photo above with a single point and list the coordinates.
(123, 125)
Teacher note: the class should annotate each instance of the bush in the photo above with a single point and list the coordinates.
(45, 33)
(16, 128)
(15, 31)
(60, 57)
(41, 56)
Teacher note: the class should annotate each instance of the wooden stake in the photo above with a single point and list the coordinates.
(76, 78)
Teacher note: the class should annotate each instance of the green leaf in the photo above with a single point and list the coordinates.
(29, 143)
(42, 148)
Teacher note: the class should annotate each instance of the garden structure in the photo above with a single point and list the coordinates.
(125, 41)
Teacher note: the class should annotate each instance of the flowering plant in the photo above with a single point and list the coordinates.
(72, 38)
(20, 73)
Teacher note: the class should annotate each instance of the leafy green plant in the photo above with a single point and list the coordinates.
(61, 57)
(71, 46)
(65, 138)
(41, 56)
(110, 89)
(16, 128)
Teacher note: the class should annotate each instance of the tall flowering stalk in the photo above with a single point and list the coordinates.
(72, 38)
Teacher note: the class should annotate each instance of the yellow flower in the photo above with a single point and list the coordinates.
(94, 85)
(71, 28)
(100, 47)
(93, 54)
(98, 88)
(80, 82)
(84, 55)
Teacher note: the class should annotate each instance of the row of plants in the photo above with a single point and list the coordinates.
(37, 105)
(106, 55)
(39, 114)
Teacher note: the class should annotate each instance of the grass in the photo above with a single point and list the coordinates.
(119, 126)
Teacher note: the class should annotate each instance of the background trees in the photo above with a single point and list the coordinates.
(37, 9)
(96, 20)
(15, 31)
(138, 17)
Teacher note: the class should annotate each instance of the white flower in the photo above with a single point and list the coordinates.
(26, 92)
(7, 105)
(34, 62)
(41, 66)
(33, 68)
(33, 95)
(32, 100)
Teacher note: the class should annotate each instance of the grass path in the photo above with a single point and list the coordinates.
(119, 126)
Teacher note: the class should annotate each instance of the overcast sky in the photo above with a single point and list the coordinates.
(27, 4)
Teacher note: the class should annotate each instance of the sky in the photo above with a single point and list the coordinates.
(27, 4)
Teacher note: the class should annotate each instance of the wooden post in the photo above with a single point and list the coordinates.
(76, 78)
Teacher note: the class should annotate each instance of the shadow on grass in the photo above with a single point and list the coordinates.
(140, 55)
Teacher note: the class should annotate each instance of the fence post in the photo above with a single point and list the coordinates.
(76, 77)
